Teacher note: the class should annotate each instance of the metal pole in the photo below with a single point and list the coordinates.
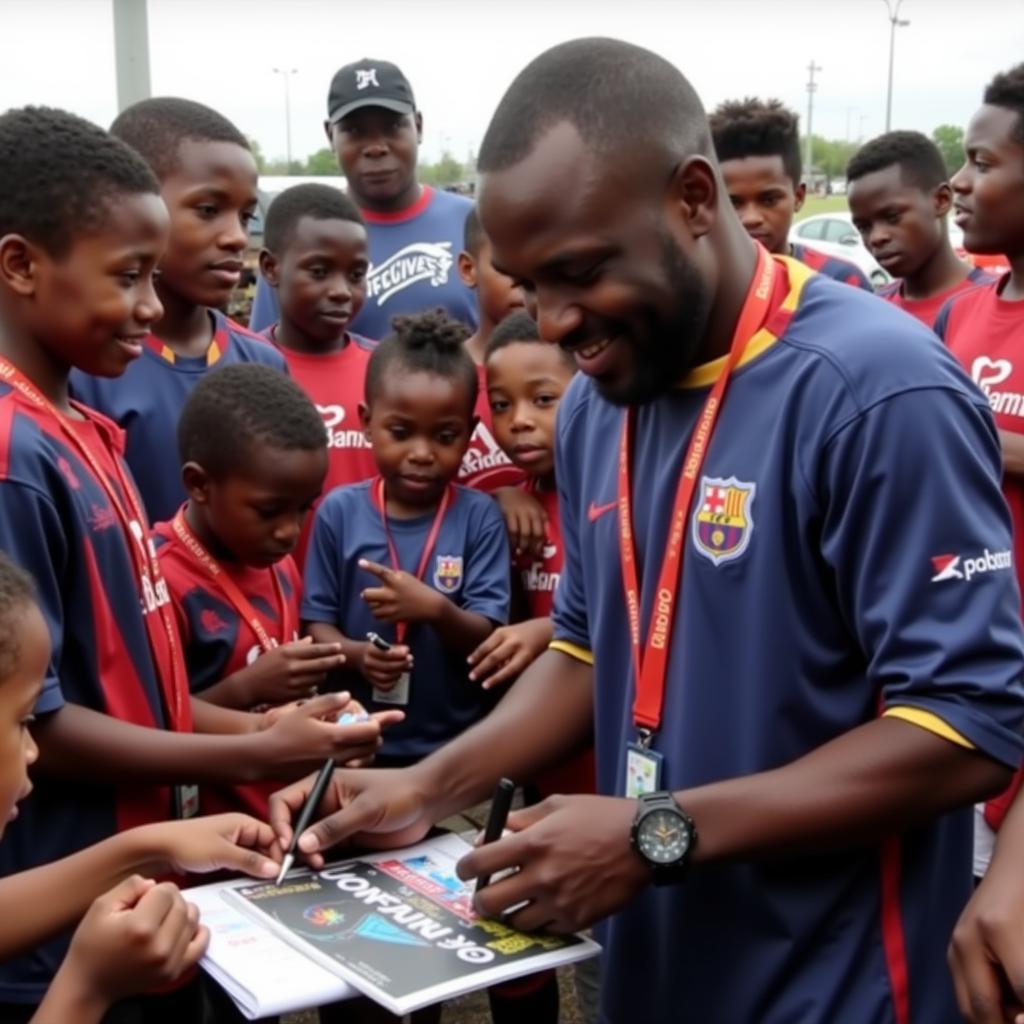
(894, 23)
(131, 52)
(811, 87)
(286, 74)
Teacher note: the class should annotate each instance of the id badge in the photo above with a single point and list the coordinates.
(186, 802)
(398, 694)
(643, 771)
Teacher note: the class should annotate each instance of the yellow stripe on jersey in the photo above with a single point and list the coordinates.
(931, 722)
(574, 651)
(706, 374)
(213, 353)
(166, 352)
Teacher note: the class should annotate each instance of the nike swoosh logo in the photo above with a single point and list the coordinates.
(596, 511)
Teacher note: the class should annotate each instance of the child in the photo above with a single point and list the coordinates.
(82, 227)
(984, 327)
(900, 199)
(138, 935)
(758, 147)
(410, 555)
(315, 258)
(208, 181)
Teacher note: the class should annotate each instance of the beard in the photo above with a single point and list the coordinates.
(669, 347)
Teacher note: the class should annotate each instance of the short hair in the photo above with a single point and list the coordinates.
(518, 328)
(472, 233)
(155, 128)
(1007, 90)
(918, 158)
(430, 342)
(619, 97)
(756, 127)
(321, 202)
(17, 595)
(235, 407)
(59, 175)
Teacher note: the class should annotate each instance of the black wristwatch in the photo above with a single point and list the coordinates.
(664, 836)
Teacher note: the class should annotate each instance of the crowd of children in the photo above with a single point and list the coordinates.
(211, 540)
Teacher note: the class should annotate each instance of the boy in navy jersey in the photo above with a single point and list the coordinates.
(315, 258)
(787, 609)
(82, 227)
(414, 230)
(208, 181)
(138, 936)
(758, 147)
(900, 199)
(411, 555)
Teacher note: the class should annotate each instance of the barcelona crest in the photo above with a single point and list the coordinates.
(722, 523)
(448, 573)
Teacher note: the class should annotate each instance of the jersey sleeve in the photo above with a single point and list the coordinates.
(856, 277)
(33, 537)
(321, 585)
(570, 617)
(918, 536)
(486, 588)
(265, 311)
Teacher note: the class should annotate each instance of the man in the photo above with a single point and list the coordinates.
(835, 667)
(414, 231)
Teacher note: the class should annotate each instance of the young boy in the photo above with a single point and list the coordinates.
(900, 198)
(315, 258)
(208, 181)
(410, 555)
(758, 147)
(414, 230)
(82, 227)
(138, 935)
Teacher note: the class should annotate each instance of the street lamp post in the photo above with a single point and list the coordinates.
(894, 23)
(286, 74)
(811, 89)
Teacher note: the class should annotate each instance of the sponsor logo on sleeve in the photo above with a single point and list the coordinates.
(964, 567)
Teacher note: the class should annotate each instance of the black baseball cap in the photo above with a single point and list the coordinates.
(369, 83)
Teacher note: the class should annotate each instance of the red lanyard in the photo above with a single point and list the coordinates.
(154, 596)
(194, 546)
(650, 664)
(401, 628)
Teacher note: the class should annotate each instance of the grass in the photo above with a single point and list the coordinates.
(821, 204)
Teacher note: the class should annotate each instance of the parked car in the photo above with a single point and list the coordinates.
(835, 235)
(994, 265)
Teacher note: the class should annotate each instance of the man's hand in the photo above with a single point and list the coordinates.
(508, 650)
(289, 672)
(574, 859)
(385, 668)
(233, 842)
(525, 520)
(986, 954)
(383, 808)
(400, 597)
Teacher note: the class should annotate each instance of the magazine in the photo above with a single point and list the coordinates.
(400, 926)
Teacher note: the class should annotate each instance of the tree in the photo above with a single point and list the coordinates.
(950, 140)
(322, 162)
(257, 155)
(447, 171)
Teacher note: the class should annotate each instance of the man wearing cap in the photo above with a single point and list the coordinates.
(415, 231)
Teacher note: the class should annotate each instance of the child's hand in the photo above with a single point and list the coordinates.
(288, 672)
(138, 937)
(401, 597)
(235, 842)
(508, 650)
(525, 520)
(385, 668)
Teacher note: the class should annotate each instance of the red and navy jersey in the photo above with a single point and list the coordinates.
(485, 467)
(335, 382)
(57, 522)
(926, 310)
(834, 593)
(218, 641)
(147, 399)
(831, 266)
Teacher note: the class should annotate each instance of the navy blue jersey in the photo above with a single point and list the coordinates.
(831, 266)
(413, 257)
(146, 402)
(57, 522)
(865, 568)
(469, 565)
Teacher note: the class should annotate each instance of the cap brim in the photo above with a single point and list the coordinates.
(398, 106)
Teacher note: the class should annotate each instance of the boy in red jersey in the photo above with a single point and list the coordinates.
(900, 199)
(315, 257)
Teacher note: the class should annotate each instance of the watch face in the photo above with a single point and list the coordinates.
(663, 837)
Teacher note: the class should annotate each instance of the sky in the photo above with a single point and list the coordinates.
(461, 55)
